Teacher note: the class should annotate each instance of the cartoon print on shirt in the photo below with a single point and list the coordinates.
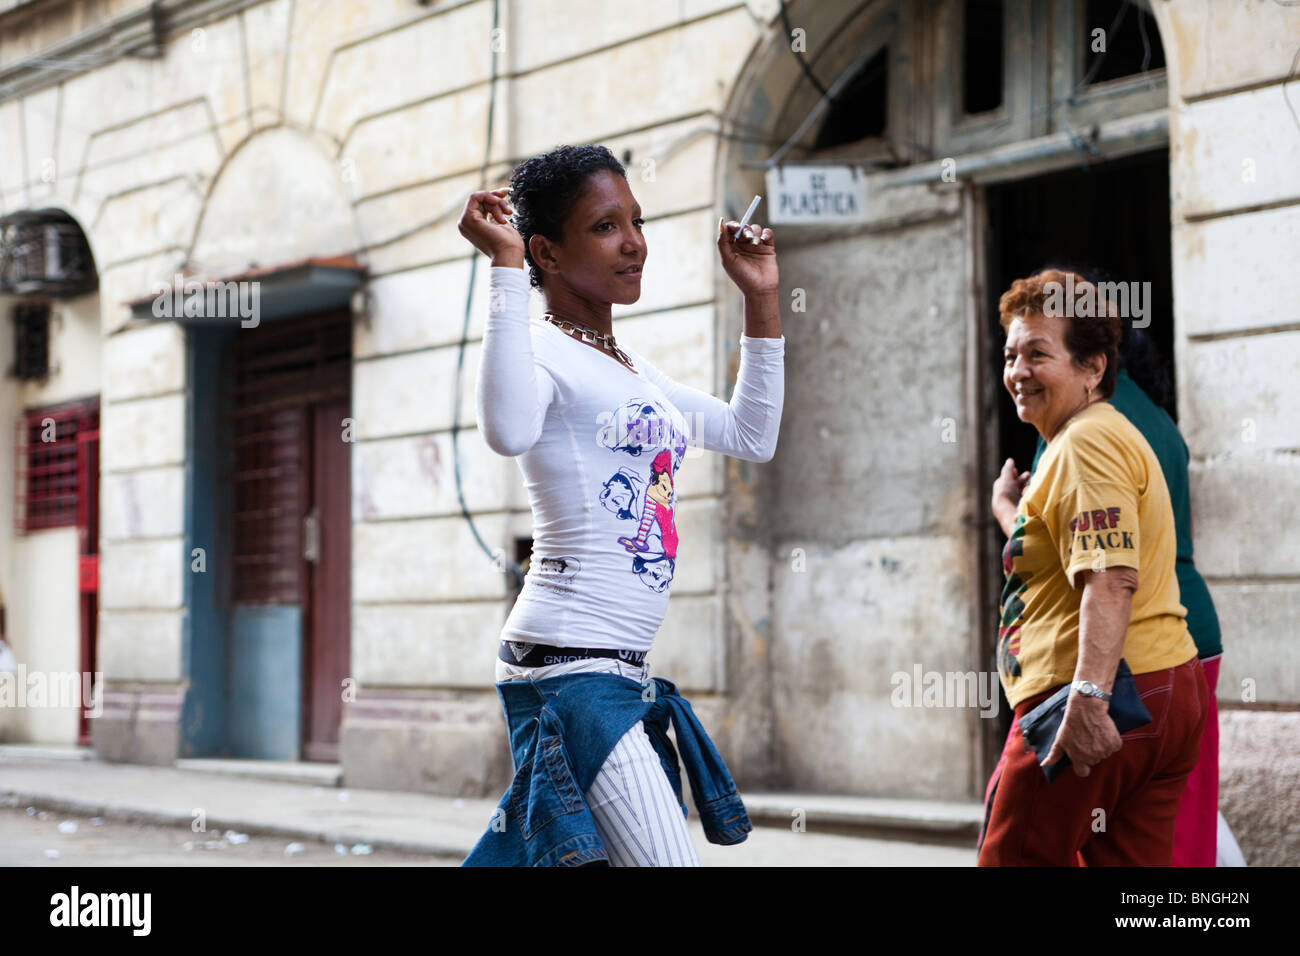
(563, 569)
(656, 573)
(621, 492)
(658, 509)
(641, 426)
(644, 427)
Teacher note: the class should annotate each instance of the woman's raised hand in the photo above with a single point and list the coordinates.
(486, 223)
(1007, 489)
(751, 265)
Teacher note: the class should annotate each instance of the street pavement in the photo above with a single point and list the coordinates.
(177, 817)
(45, 838)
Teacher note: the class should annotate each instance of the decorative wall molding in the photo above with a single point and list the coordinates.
(140, 33)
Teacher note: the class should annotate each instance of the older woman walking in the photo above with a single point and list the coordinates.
(1090, 579)
(1141, 395)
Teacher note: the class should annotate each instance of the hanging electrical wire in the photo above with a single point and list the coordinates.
(1110, 37)
(803, 64)
(498, 558)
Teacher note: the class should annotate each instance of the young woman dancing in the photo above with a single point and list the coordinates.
(600, 435)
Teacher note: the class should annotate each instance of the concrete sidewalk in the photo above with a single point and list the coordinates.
(310, 808)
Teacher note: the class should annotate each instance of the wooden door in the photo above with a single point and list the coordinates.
(327, 534)
(291, 544)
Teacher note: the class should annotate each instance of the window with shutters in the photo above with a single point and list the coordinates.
(49, 483)
(31, 340)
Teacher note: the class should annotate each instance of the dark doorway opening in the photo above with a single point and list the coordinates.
(1110, 221)
(861, 109)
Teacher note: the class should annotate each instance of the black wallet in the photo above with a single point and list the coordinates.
(1040, 726)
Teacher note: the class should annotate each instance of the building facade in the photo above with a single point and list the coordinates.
(300, 535)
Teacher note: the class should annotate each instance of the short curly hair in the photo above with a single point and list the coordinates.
(1085, 336)
(543, 190)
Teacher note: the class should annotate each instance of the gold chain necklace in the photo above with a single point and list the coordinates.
(590, 336)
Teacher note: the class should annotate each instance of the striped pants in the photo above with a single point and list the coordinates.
(633, 804)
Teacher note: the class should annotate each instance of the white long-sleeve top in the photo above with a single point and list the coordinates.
(599, 447)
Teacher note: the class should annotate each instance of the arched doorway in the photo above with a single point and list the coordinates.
(880, 555)
(269, 503)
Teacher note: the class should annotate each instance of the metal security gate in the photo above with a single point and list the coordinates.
(287, 390)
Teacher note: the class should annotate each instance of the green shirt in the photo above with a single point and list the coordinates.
(1171, 451)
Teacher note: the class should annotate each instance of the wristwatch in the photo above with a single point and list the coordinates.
(1089, 689)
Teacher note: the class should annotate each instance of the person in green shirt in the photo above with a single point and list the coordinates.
(1141, 389)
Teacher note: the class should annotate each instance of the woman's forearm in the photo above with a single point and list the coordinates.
(747, 427)
(510, 396)
(1104, 614)
(758, 398)
(1004, 513)
(763, 315)
(1087, 734)
(756, 402)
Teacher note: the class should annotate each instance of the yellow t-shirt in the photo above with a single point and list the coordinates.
(1098, 500)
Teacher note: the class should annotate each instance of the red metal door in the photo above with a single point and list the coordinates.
(327, 549)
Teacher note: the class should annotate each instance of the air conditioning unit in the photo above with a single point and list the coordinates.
(44, 252)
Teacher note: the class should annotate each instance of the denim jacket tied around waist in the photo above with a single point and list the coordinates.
(561, 731)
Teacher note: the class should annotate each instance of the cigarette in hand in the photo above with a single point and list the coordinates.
(749, 214)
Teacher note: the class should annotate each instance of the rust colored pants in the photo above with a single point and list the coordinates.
(1123, 812)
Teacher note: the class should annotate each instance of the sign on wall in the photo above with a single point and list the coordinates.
(816, 194)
